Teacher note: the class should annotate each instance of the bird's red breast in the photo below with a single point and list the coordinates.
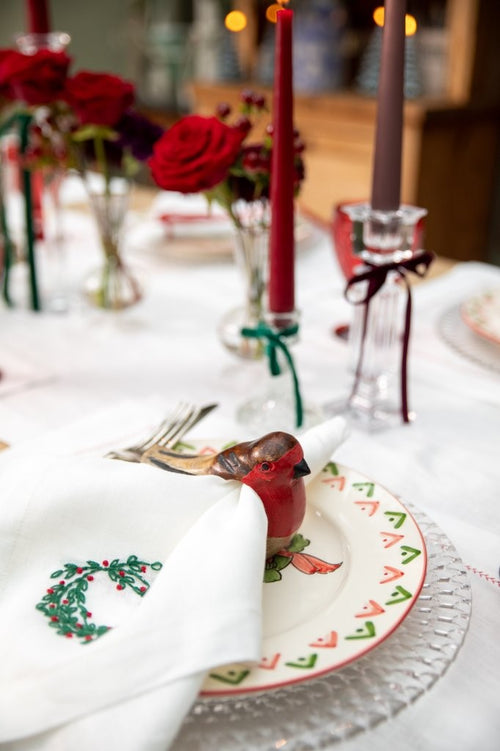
(282, 493)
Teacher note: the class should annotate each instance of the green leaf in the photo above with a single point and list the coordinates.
(157, 565)
(56, 574)
(298, 544)
(278, 562)
(271, 575)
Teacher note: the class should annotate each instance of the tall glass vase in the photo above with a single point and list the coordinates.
(113, 286)
(251, 243)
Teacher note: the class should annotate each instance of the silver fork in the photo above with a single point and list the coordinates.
(168, 433)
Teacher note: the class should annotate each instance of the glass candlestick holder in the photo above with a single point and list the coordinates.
(277, 403)
(380, 331)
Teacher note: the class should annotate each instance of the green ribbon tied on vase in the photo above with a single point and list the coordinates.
(274, 341)
(23, 121)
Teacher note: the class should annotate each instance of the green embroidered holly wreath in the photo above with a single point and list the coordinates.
(65, 603)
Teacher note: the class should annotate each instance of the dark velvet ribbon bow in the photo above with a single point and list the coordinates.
(274, 341)
(376, 276)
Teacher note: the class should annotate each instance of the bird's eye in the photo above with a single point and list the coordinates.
(265, 466)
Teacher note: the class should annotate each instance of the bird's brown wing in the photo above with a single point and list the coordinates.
(187, 464)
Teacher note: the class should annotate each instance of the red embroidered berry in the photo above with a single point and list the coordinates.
(143, 589)
(79, 570)
(105, 563)
(52, 605)
(62, 582)
(79, 625)
(88, 637)
(89, 615)
(121, 573)
(119, 586)
(65, 602)
(143, 568)
(54, 618)
(69, 634)
(50, 591)
(90, 578)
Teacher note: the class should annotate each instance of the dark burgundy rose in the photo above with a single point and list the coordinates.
(138, 135)
(99, 98)
(195, 154)
(35, 79)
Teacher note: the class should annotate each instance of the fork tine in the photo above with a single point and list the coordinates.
(181, 419)
(197, 414)
(171, 422)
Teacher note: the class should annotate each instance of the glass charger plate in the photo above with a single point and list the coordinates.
(319, 713)
(463, 340)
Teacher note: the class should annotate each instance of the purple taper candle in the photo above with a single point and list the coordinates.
(386, 185)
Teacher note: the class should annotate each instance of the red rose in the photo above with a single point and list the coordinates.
(195, 154)
(35, 79)
(99, 98)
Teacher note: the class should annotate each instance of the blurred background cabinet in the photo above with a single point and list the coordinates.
(182, 58)
(451, 125)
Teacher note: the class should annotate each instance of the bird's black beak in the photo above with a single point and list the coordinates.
(301, 469)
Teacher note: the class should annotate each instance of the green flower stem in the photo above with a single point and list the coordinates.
(100, 153)
(8, 249)
(25, 121)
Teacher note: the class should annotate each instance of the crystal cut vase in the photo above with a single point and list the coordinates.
(251, 243)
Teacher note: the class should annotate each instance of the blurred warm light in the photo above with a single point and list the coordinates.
(410, 25)
(272, 12)
(235, 21)
(410, 21)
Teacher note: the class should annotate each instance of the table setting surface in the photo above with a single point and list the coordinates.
(79, 384)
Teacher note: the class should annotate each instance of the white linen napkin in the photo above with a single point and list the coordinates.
(130, 688)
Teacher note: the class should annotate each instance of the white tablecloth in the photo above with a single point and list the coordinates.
(58, 369)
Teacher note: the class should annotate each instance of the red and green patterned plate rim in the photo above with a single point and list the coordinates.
(482, 315)
(347, 581)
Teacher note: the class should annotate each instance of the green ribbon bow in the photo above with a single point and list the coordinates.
(274, 342)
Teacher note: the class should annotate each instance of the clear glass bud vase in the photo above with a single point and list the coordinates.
(379, 333)
(113, 286)
(251, 243)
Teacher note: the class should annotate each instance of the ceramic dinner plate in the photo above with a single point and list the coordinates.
(347, 581)
(482, 315)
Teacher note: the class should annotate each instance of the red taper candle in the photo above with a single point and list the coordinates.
(38, 17)
(386, 185)
(281, 243)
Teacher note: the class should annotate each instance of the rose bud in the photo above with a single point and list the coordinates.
(247, 96)
(299, 146)
(259, 101)
(223, 110)
(243, 124)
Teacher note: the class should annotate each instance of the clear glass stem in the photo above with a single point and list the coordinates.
(375, 358)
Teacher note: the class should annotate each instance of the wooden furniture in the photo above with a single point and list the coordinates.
(449, 144)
